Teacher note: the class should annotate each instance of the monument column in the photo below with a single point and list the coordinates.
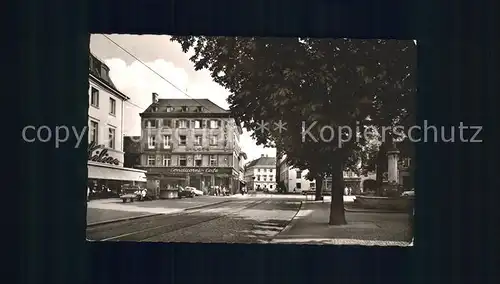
(392, 166)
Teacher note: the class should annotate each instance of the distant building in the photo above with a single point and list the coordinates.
(191, 143)
(260, 174)
(105, 164)
(295, 180)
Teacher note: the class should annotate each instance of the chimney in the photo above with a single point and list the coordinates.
(262, 155)
(267, 156)
(155, 98)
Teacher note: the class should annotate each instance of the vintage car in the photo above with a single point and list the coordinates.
(196, 191)
(185, 192)
(131, 193)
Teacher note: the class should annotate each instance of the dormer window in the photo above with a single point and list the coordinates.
(170, 109)
(199, 109)
(184, 109)
(104, 72)
(155, 109)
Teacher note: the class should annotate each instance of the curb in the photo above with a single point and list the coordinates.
(372, 211)
(151, 215)
(290, 224)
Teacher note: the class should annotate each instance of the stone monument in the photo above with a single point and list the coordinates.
(392, 166)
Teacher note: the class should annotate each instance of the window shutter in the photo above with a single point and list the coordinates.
(177, 124)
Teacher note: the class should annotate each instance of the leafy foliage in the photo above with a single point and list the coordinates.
(325, 82)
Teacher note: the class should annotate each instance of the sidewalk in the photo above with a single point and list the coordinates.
(310, 226)
(114, 209)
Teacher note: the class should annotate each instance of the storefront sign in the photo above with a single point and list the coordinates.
(201, 170)
(100, 156)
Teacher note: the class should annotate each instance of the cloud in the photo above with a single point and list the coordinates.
(139, 82)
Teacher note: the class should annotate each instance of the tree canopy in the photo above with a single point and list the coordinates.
(326, 83)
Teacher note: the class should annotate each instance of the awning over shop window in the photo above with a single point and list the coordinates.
(110, 173)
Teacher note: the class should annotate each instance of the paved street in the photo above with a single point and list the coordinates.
(235, 220)
(243, 219)
(113, 209)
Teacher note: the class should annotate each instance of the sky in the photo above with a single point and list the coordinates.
(167, 59)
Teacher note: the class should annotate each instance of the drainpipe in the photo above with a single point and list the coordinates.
(121, 128)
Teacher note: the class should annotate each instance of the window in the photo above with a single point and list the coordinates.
(170, 109)
(111, 137)
(213, 140)
(167, 123)
(299, 174)
(197, 124)
(271, 186)
(198, 140)
(214, 124)
(298, 185)
(182, 160)
(182, 140)
(258, 177)
(264, 177)
(152, 142)
(213, 160)
(184, 109)
(270, 178)
(155, 109)
(151, 123)
(94, 129)
(197, 160)
(166, 141)
(312, 185)
(199, 109)
(269, 170)
(182, 124)
(104, 72)
(167, 161)
(151, 160)
(258, 170)
(94, 97)
(112, 106)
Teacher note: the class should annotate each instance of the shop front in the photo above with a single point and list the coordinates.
(203, 178)
(106, 175)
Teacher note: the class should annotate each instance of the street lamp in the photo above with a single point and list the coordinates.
(253, 183)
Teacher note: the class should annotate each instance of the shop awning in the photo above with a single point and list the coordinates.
(96, 171)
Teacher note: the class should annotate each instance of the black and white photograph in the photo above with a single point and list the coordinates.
(204, 139)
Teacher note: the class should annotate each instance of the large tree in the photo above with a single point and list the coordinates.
(312, 85)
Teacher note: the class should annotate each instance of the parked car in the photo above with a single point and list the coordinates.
(131, 193)
(408, 192)
(196, 191)
(184, 192)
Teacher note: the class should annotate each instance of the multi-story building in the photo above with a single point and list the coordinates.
(295, 180)
(190, 142)
(105, 132)
(260, 174)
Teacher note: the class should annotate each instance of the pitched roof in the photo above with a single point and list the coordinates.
(262, 161)
(191, 104)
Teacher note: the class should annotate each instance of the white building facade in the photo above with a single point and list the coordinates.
(295, 180)
(105, 132)
(260, 174)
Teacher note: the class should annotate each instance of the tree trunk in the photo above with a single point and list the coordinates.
(337, 213)
(319, 188)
